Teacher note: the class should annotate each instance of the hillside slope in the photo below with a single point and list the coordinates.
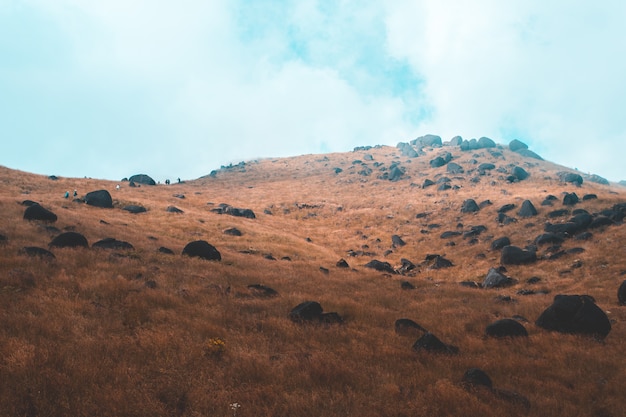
(143, 332)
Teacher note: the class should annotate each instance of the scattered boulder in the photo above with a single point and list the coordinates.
(407, 327)
(396, 241)
(577, 314)
(172, 209)
(439, 262)
(496, 279)
(311, 311)
(519, 173)
(558, 213)
(99, 198)
(570, 177)
(506, 208)
(262, 291)
(485, 143)
(202, 249)
(513, 255)
(570, 199)
(454, 168)
(469, 206)
(35, 251)
(234, 211)
(70, 240)
(134, 209)
(500, 243)
(527, 209)
(437, 162)
(380, 266)
(37, 212)
(475, 377)
(3, 239)
(406, 285)
(549, 238)
(406, 266)
(233, 231)
(165, 250)
(597, 179)
(529, 154)
(111, 243)
(517, 145)
(621, 294)
(506, 328)
(142, 179)
(433, 141)
(342, 263)
(431, 343)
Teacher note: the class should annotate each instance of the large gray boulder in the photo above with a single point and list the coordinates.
(142, 179)
(202, 249)
(513, 255)
(516, 145)
(99, 198)
(70, 240)
(577, 314)
(37, 212)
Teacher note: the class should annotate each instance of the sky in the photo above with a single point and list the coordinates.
(108, 89)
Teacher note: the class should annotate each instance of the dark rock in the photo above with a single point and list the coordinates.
(519, 173)
(485, 143)
(259, 290)
(427, 183)
(444, 187)
(469, 206)
(407, 327)
(430, 343)
(513, 255)
(588, 197)
(597, 179)
(380, 266)
(549, 238)
(37, 212)
(324, 270)
(469, 284)
(202, 249)
(35, 251)
(527, 209)
(233, 231)
(504, 219)
(486, 166)
(3, 239)
(165, 250)
(506, 328)
(99, 198)
(570, 199)
(142, 179)
(28, 203)
(437, 162)
(440, 262)
(600, 221)
(570, 177)
(516, 145)
(582, 219)
(69, 240)
(134, 209)
(558, 213)
(342, 264)
(111, 243)
(584, 236)
(505, 208)
(475, 377)
(234, 211)
(496, 279)
(500, 243)
(306, 311)
(396, 241)
(406, 266)
(330, 318)
(427, 141)
(565, 229)
(621, 294)
(172, 209)
(575, 314)
(450, 233)
(454, 168)
(406, 285)
(484, 204)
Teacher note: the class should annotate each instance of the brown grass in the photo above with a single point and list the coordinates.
(85, 336)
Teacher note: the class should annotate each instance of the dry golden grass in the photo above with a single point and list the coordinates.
(85, 335)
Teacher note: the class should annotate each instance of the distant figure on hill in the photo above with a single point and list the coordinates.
(75, 193)
(179, 180)
(67, 194)
(167, 182)
(117, 187)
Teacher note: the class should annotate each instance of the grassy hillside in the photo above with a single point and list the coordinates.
(143, 333)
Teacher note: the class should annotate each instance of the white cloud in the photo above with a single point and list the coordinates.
(549, 72)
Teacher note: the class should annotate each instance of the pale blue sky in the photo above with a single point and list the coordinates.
(107, 89)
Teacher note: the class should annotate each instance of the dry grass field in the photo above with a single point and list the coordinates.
(98, 332)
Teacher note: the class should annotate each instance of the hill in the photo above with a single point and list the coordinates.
(144, 330)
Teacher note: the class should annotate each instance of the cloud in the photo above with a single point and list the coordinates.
(549, 74)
